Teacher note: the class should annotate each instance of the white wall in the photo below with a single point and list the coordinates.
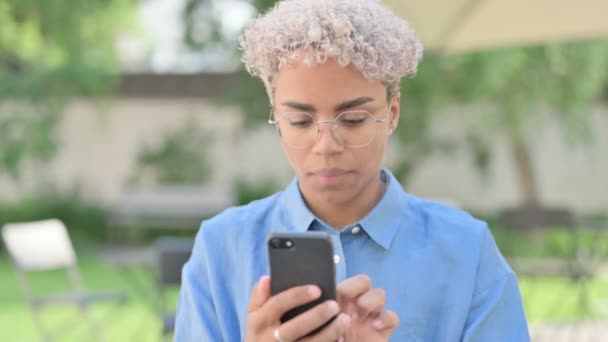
(569, 175)
(100, 145)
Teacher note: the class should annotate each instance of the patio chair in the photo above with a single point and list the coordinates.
(46, 246)
(172, 253)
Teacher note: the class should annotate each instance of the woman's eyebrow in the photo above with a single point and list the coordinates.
(353, 103)
(300, 106)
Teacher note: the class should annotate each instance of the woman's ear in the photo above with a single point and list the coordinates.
(395, 113)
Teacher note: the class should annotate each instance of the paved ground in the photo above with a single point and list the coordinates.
(592, 331)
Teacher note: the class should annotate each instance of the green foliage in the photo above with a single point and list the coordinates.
(566, 78)
(51, 51)
(420, 101)
(84, 218)
(514, 90)
(180, 159)
(247, 192)
(251, 97)
(25, 134)
(590, 237)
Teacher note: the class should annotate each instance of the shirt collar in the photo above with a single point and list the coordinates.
(297, 216)
(381, 224)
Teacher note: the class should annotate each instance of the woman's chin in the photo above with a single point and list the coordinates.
(334, 195)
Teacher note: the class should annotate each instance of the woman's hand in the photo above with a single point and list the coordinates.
(265, 312)
(365, 306)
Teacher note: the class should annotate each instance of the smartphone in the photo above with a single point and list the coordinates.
(302, 259)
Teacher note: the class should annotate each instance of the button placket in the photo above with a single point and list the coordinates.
(339, 259)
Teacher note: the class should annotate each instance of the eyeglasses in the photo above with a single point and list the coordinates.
(353, 129)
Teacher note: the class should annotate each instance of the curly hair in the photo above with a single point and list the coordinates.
(378, 43)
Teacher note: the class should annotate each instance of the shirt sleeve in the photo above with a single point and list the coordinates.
(196, 318)
(496, 312)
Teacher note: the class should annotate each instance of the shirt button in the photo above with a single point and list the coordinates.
(336, 259)
(356, 230)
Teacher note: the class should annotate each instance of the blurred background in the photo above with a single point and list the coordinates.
(130, 121)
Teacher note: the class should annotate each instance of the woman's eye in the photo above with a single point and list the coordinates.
(353, 121)
(301, 123)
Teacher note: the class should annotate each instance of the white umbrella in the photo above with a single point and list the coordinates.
(469, 25)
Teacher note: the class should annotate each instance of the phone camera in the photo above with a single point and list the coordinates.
(275, 243)
(278, 243)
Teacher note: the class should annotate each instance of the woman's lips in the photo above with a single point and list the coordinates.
(330, 176)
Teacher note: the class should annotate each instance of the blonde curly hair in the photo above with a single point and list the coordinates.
(381, 45)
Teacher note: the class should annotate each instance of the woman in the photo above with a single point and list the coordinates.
(407, 269)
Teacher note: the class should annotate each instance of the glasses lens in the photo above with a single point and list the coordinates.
(297, 129)
(356, 128)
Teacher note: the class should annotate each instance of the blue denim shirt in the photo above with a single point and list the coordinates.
(440, 268)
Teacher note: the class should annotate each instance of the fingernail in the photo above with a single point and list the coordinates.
(378, 324)
(341, 339)
(314, 291)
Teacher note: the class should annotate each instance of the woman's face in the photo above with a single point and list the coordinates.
(329, 171)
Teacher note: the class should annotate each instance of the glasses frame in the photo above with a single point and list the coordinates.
(333, 127)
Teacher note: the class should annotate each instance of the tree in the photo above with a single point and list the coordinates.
(517, 91)
(50, 52)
